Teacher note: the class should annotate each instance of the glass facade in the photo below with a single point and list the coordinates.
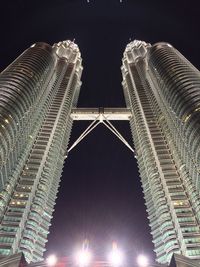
(162, 89)
(37, 92)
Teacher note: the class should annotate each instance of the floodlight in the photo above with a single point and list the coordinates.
(51, 260)
(116, 257)
(83, 258)
(142, 260)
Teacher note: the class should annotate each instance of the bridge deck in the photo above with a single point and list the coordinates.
(111, 114)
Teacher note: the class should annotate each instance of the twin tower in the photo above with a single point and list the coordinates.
(38, 92)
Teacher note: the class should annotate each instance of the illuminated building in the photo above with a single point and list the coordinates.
(38, 96)
(37, 92)
(162, 89)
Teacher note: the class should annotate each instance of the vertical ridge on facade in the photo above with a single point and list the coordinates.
(162, 89)
(38, 91)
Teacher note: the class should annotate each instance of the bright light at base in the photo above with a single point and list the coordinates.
(83, 258)
(142, 260)
(116, 257)
(51, 260)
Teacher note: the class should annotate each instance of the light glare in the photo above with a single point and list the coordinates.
(51, 260)
(116, 257)
(142, 260)
(83, 258)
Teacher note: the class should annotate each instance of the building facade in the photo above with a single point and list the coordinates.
(37, 92)
(162, 89)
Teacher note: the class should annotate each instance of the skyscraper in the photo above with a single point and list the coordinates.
(37, 92)
(162, 89)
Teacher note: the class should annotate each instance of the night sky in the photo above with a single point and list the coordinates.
(100, 196)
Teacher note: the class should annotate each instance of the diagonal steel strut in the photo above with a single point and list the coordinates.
(111, 127)
(91, 127)
(98, 116)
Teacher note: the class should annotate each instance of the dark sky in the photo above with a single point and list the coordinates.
(100, 197)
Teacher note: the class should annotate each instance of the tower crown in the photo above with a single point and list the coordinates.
(68, 50)
(135, 50)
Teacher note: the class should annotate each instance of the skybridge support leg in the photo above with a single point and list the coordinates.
(100, 116)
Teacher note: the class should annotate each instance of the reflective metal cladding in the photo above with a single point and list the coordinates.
(37, 92)
(38, 95)
(163, 91)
